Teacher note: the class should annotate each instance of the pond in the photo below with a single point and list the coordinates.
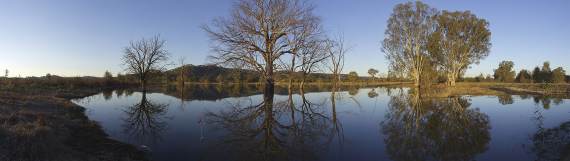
(373, 123)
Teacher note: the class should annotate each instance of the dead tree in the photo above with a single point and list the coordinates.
(256, 34)
(336, 50)
(145, 56)
(312, 58)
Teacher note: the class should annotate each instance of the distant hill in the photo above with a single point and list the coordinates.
(213, 73)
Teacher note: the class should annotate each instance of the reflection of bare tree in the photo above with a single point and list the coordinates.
(337, 129)
(145, 121)
(428, 129)
(270, 131)
(310, 109)
(552, 144)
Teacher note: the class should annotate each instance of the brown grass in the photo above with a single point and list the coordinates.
(493, 88)
(44, 127)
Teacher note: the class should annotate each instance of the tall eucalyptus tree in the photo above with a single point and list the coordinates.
(461, 39)
(406, 38)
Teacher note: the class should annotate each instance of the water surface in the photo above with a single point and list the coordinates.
(381, 123)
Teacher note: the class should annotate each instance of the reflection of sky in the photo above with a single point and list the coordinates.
(511, 125)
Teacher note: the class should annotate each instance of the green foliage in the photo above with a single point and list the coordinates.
(537, 75)
(480, 78)
(407, 19)
(558, 75)
(108, 78)
(524, 77)
(372, 72)
(546, 73)
(461, 39)
(505, 72)
(430, 74)
(211, 73)
(352, 76)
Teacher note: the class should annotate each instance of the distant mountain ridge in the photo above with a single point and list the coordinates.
(214, 73)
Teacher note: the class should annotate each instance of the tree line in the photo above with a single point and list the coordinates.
(506, 73)
(284, 39)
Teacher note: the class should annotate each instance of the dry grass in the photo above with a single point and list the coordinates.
(493, 88)
(43, 127)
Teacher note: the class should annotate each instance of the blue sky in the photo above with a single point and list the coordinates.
(86, 37)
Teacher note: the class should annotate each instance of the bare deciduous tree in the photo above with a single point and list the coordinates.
(406, 38)
(311, 58)
(256, 34)
(461, 39)
(300, 41)
(145, 56)
(337, 51)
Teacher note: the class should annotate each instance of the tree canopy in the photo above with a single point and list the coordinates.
(258, 33)
(372, 72)
(524, 77)
(461, 39)
(145, 56)
(505, 72)
(406, 38)
(558, 75)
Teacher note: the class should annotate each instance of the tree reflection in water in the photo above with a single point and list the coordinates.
(505, 99)
(447, 129)
(549, 144)
(145, 121)
(544, 101)
(552, 144)
(272, 130)
(372, 93)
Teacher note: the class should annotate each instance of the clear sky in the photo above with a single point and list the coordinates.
(86, 37)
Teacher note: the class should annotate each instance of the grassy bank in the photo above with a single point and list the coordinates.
(492, 88)
(41, 123)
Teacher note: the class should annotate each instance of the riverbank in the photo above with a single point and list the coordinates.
(45, 125)
(48, 126)
(478, 89)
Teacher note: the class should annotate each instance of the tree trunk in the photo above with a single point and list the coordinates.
(268, 110)
(451, 79)
(269, 83)
(417, 81)
(302, 84)
(291, 72)
(143, 85)
(290, 86)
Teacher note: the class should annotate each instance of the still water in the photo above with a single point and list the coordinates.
(379, 123)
